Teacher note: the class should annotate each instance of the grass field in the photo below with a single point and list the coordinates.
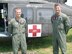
(38, 45)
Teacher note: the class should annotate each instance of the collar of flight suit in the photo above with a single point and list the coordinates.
(18, 19)
(56, 16)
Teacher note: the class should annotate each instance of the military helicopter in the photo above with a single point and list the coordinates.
(35, 12)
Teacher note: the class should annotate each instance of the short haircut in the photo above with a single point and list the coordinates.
(17, 8)
(57, 4)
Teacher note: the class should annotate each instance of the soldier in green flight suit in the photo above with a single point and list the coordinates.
(17, 29)
(61, 25)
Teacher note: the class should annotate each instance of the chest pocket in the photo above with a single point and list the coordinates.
(60, 24)
(22, 25)
(15, 25)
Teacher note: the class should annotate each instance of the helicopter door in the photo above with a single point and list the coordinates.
(3, 17)
(3, 20)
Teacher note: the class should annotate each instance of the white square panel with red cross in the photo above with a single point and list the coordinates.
(34, 30)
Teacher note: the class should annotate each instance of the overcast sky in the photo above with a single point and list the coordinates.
(69, 2)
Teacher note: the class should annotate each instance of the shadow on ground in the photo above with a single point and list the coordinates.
(5, 44)
(32, 43)
(36, 43)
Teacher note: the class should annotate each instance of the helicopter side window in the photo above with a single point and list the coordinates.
(44, 15)
(29, 15)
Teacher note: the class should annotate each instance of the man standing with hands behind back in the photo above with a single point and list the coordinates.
(17, 29)
(61, 25)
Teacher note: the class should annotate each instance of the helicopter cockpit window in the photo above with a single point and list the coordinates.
(44, 15)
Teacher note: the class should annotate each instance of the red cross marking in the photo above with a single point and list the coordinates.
(34, 31)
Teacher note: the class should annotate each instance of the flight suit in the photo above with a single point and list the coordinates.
(17, 29)
(60, 26)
